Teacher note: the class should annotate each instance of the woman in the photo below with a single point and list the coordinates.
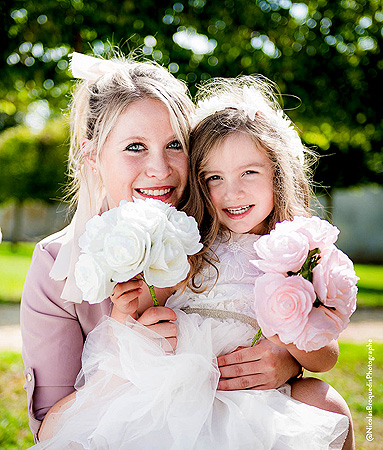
(130, 125)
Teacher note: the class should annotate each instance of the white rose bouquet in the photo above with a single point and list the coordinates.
(147, 238)
(308, 291)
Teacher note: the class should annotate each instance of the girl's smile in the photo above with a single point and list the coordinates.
(239, 177)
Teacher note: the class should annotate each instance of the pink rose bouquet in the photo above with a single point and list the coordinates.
(308, 291)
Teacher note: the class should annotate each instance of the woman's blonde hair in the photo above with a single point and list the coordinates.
(249, 105)
(96, 106)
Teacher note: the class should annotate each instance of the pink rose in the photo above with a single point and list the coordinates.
(334, 281)
(319, 232)
(282, 305)
(323, 325)
(281, 252)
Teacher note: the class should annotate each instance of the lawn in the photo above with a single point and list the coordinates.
(14, 265)
(348, 377)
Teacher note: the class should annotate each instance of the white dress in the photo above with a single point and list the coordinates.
(139, 394)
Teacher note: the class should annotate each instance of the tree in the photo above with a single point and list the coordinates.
(326, 53)
(32, 166)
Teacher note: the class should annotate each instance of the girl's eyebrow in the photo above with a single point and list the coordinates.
(245, 166)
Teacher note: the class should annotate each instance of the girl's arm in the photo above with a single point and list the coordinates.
(132, 298)
(321, 360)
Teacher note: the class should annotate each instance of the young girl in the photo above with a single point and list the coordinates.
(247, 173)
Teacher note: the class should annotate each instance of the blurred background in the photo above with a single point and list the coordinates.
(325, 56)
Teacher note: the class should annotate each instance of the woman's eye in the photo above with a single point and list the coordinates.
(175, 145)
(135, 147)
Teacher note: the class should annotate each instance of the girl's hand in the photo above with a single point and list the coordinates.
(265, 366)
(125, 299)
(159, 319)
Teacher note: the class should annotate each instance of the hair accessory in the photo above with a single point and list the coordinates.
(90, 68)
(252, 102)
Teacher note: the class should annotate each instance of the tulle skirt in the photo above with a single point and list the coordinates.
(134, 392)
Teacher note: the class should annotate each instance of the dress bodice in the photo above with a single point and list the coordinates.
(233, 289)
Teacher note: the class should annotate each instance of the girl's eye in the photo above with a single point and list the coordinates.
(175, 145)
(213, 178)
(135, 147)
(250, 172)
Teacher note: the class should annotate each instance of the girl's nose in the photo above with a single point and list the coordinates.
(158, 166)
(234, 191)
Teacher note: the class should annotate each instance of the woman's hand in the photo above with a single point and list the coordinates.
(160, 319)
(264, 366)
(125, 299)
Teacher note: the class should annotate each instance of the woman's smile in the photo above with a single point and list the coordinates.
(162, 193)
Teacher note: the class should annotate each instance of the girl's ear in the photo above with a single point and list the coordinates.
(88, 156)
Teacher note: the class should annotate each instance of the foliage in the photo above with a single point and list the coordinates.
(326, 53)
(32, 165)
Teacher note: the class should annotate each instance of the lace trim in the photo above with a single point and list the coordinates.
(221, 314)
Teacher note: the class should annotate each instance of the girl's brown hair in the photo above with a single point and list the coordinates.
(271, 131)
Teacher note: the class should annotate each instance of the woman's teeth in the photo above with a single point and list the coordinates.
(238, 211)
(154, 192)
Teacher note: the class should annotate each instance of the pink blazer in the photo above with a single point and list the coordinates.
(53, 333)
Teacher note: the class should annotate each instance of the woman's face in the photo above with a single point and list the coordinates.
(142, 157)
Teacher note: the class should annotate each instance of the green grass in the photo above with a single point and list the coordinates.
(14, 264)
(370, 285)
(348, 377)
(14, 430)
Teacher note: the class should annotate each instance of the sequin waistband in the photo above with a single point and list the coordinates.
(222, 314)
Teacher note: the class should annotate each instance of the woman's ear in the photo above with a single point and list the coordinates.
(88, 154)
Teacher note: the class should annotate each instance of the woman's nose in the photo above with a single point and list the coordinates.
(158, 166)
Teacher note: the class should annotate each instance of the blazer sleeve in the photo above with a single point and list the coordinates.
(52, 339)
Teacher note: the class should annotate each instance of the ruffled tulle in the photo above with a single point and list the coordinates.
(134, 392)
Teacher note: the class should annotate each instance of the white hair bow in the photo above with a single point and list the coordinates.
(90, 68)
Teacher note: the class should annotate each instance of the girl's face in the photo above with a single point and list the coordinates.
(239, 177)
(142, 157)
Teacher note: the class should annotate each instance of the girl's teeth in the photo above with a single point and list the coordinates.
(238, 210)
(155, 192)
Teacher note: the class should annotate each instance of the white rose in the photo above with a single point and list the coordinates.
(187, 229)
(334, 281)
(149, 214)
(168, 262)
(93, 238)
(281, 252)
(93, 278)
(127, 249)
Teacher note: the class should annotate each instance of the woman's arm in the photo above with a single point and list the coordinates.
(52, 338)
(264, 366)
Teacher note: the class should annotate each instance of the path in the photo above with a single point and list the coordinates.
(365, 324)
